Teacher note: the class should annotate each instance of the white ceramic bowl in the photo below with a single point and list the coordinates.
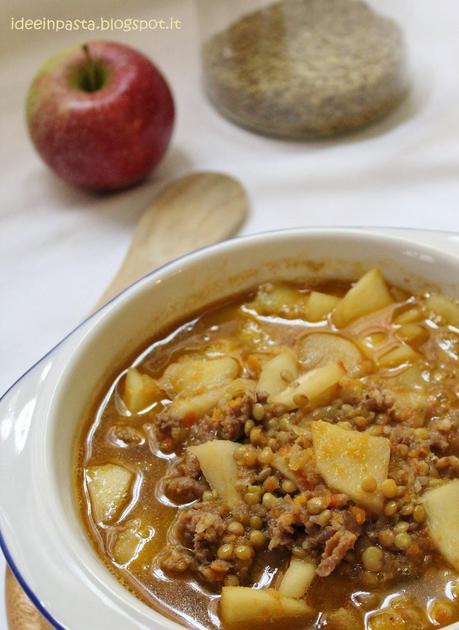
(41, 533)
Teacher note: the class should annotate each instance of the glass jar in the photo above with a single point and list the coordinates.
(303, 68)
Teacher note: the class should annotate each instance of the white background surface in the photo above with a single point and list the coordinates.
(59, 246)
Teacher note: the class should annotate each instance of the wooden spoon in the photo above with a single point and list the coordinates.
(191, 212)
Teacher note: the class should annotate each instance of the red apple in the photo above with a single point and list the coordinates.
(100, 115)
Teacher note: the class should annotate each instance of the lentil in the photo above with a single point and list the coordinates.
(258, 412)
(419, 514)
(225, 552)
(390, 508)
(252, 498)
(316, 505)
(269, 500)
(386, 538)
(265, 456)
(402, 540)
(257, 538)
(256, 522)
(236, 528)
(369, 484)
(289, 486)
(243, 552)
(389, 488)
(373, 559)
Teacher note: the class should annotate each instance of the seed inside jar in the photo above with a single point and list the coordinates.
(306, 69)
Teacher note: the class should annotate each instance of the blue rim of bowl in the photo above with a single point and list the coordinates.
(3, 546)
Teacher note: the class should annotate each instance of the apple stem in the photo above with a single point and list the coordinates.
(91, 70)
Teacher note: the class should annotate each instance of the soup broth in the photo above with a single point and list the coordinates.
(286, 459)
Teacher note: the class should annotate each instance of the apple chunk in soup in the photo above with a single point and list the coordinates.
(289, 456)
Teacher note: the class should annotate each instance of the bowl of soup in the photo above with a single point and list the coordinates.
(261, 434)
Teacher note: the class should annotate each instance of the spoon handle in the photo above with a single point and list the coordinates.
(189, 213)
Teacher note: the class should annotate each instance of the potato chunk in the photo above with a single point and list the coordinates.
(369, 294)
(193, 407)
(190, 408)
(319, 305)
(410, 316)
(191, 376)
(216, 459)
(130, 541)
(345, 458)
(445, 307)
(310, 385)
(279, 300)
(442, 507)
(318, 349)
(271, 378)
(109, 489)
(297, 579)
(140, 390)
(413, 334)
(245, 605)
(398, 356)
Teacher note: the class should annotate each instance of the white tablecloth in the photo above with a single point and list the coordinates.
(59, 246)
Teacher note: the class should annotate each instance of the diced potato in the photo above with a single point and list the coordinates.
(410, 399)
(319, 305)
(216, 459)
(194, 407)
(191, 376)
(279, 300)
(349, 618)
(442, 507)
(311, 385)
(411, 378)
(109, 488)
(223, 347)
(297, 579)
(345, 457)
(413, 334)
(386, 619)
(409, 390)
(403, 354)
(409, 317)
(369, 294)
(130, 541)
(387, 350)
(318, 349)
(271, 378)
(254, 335)
(245, 605)
(239, 387)
(445, 307)
(140, 390)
